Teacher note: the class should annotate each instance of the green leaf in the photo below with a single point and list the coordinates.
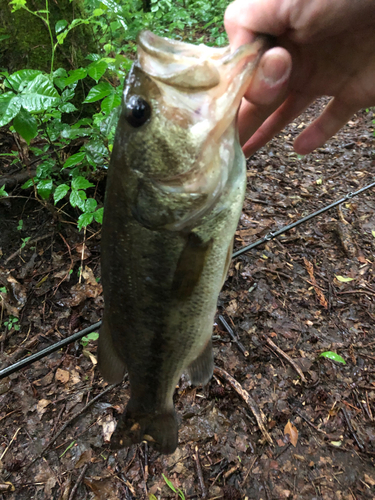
(67, 108)
(91, 336)
(26, 125)
(60, 25)
(344, 279)
(4, 101)
(21, 78)
(98, 12)
(170, 484)
(84, 220)
(45, 168)
(77, 199)
(45, 188)
(74, 160)
(60, 73)
(90, 205)
(98, 215)
(39, 95)
(27, 184)
(17, 4)
(99, 92)
(111, 102)
(9, 108)
(333, 356)
(373, 233)
(3, 192)
(75, 75)
(61, 37)
(81, 183)
(97, 69)
(60, 192)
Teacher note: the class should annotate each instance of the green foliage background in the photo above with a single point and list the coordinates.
(74, 112)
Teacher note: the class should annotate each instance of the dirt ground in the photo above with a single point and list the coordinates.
(309, 292)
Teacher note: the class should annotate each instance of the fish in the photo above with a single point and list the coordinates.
(175, 190)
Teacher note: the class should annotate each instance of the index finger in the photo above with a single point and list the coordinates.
(244, 18)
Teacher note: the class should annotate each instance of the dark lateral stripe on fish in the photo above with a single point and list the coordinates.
(190, 266)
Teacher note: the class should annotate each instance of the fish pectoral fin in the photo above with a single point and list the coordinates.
(158, 429)
(200, 371)
(110, 365)
(190, 266)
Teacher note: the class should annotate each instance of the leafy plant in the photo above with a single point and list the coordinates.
(171, 486)
(91, 336)
(34, 103)
(24, 241)
(12, 323)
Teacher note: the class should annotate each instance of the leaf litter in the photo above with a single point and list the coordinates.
(297, 306)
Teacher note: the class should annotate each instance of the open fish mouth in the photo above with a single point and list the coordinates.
(207, 84)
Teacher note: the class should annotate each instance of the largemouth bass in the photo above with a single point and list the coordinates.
(175, 190)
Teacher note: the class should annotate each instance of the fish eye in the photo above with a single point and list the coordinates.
(138, 111)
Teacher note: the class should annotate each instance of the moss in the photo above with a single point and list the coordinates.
(29, 44)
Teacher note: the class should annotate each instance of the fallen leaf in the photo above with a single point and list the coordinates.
(62, 376)
(41, 407)
(344, 279)
(84, 458)
(292, 431)
(108, 425)
(91, 357)
(86, 251)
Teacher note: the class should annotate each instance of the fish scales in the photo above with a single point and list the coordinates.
(174, 195)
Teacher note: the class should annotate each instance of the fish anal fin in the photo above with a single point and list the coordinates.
(190, 266)
(110, 365)
(201, 369)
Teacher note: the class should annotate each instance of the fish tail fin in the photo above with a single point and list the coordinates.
(110, 365)
(159, 429)
(201, 369)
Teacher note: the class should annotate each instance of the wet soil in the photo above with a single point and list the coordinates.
(277, 420)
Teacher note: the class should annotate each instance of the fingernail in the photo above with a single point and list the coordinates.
(275, 70)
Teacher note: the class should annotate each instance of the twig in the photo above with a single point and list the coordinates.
(231, 471)
(355, 291)
(146, 460)
(258, 414)
(82, 254)
(288, 358)
(277, 273)
(310, 423)
(80, 477)
(233, 337)
(70, 267)
(248, 471)
(349, 424)
(10, 444)
(58, 434)
(200, 475)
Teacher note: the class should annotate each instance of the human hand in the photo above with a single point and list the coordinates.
(322, 48)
